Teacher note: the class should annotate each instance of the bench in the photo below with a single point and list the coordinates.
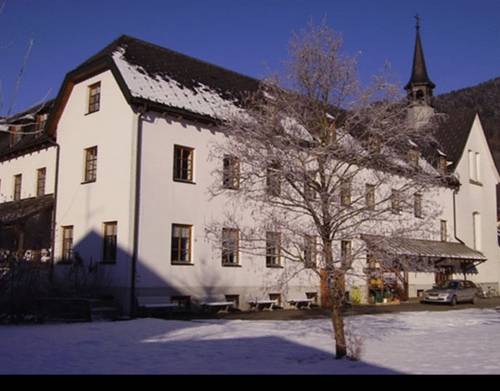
(154, 303)
(217, 306)
(263, 304)
(299, 303)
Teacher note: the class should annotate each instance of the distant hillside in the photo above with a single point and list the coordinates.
(483, 98)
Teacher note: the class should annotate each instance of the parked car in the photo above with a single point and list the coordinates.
(452, 292)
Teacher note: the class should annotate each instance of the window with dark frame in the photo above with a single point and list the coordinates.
(443, 165)
(183, 163)
(235, 299)
(276, 297)
(18, 179)
(413, 157)
(94, 98)
(370, 196)
(310, 252)
(41, 174)
(444, 230)
(67, 243)
(109, 244)
(40, 122)
(345, 192)
(90, 165)
(273, 249)
(231, 172)
(417, 205)
(184, 302)
(230, 246)
(15, 135)
(181, 243)
(396, 201)
(346, 252)
(273, 179)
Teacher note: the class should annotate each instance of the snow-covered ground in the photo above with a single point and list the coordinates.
(464, 341)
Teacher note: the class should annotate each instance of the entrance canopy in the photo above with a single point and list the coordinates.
(456, 257)
(15, 212)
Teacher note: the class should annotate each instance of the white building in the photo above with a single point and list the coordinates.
(134, 125)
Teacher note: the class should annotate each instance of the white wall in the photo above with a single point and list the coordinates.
(479, 197)
(164, 202)
(27, 165)
(87, 206)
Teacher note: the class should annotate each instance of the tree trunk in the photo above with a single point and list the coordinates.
(338, 295)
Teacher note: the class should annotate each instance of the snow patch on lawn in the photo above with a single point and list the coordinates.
(465, 341)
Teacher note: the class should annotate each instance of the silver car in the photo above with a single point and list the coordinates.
(452, 292)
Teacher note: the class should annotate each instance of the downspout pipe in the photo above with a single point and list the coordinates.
(142, 110)
(455, 228)
(54, 211)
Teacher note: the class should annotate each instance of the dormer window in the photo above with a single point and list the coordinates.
(40, 121)
(442, 165)
(15, 135)
(94, 98)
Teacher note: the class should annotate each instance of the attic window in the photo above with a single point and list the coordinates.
(40, 121)
(94, 97)
(15, 135)
(413, 157)
(442, 165)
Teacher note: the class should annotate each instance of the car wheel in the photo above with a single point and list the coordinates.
(453, 301)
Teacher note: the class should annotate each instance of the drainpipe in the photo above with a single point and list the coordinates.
(135, 250)
(54, 214)
(455, 228)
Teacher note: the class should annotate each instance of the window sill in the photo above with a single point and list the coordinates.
(473, 182)
(176, 263)
(275, 266)
(231, 265)
(184, 181)
(108, 262)
(91, 112)
(87, 182)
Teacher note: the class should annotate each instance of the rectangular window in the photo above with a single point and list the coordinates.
(184, 302)
(370, 196)
(345, 192)
(230, 246)
(90, 165)
(276, 297)
(235, 299)
(67, 243)
(94, 97)
(310, 251)
(109, 242)
(41, 174)
(472, 168)
(18, 179)
(312, 296)
(444, 231)
(40, 122)
(15, 135)
(346, 252)
(478, 167)
(413, 157)
(181, 243)
(396, 201)
(273, 179)
(273, 249)
(183, 163)
(443, 165)
(417, 205)
(231, 172)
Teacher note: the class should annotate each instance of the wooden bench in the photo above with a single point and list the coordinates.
(263, 304)
(155, 303)
(217, 306)
(299, 303)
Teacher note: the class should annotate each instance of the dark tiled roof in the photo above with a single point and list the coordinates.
(419, 74)
(28, 142)
(13, 211)
(423, 248)
(188, 72)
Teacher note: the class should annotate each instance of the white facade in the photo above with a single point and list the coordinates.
(476, 204)
(27, 166)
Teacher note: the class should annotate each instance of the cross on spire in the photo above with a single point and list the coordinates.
(417, 17)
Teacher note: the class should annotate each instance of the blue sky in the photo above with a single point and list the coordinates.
(461, 38)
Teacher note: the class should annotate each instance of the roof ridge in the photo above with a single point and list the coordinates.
(165, 49)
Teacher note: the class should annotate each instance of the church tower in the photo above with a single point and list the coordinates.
(420, 87)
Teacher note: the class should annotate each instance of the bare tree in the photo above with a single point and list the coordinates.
(321, 163)
(9, 123)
